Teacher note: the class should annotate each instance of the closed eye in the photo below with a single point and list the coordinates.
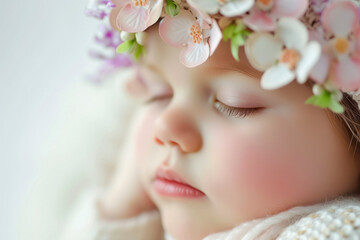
(234, 111)
(158, 98)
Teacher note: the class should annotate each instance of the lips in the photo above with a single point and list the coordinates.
(169, 183)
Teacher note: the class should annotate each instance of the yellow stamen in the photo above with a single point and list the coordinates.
(265, 5)
(221, 2)
(290, 57)
(195, 33)
(140, 3)
(341, 45)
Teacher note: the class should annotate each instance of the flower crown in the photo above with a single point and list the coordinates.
(286, 39)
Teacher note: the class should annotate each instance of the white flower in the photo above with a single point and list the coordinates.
(228, 8)
(285, 56)
(197, 37)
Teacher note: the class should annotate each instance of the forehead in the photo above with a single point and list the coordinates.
(165, 58)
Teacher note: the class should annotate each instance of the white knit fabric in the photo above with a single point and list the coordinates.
(337, 219)
(333, 223)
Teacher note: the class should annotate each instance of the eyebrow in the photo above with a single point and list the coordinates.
(153, 68)
(249, 72)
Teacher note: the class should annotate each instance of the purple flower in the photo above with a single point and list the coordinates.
(108, 37)
(110, 65)
(99, 8)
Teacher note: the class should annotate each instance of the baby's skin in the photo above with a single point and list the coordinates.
(210, 149)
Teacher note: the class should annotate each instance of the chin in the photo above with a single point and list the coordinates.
(179, 231)
(188, 223)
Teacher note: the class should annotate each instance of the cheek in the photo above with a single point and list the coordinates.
(144, 135)
(252, 168)
(256, 167)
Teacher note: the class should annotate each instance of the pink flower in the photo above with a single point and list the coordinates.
(285, 56)
(264, 15)
(228, 8)
(135, 15)
(198, 36)
(340, 60)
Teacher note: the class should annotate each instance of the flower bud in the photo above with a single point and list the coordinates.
(330, 87)
(224, 22)
(317, 90)
(337, 95)
(125, 36)
(141, 38)
(240, 23)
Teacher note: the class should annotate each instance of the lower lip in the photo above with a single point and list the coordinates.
(174, 189)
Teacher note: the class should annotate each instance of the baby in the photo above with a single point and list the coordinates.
(223, 145)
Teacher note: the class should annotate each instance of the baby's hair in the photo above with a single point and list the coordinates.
(350, 122)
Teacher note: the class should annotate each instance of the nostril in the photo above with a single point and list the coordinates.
(173, 143)
(158, 141)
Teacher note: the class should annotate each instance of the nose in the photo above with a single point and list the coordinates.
(175, 127)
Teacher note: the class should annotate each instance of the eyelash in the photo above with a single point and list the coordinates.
(219, 106)
(233, 111)
(157, 98)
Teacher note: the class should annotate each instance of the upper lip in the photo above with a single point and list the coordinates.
(169, 174)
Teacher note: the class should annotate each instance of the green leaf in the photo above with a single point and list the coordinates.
(235, 50)
(126, 47)
(239, 28)
(322, 100)
(326, 101)
(311, 100)
(172, 8)
(246, 33)
(238, 39)
(139, 51)
(228, 32)
(236, 42)
(336, 107)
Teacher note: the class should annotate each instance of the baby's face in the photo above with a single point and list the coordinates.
(248, 152)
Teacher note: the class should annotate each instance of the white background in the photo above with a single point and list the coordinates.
(43, 51)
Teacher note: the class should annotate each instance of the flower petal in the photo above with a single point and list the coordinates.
(215, 37)
(293, 33)
(310, 56)
(236, 7)
(340, 18)
(155, 12)
(176, 30)
(347, 74)
(290, 8)
(357, 44)
(321, 69)
(208, 6)
(195, 54)
(132, 19)
(202, 16)
(113, 16)
(262, 50)
(259, 21)
(120, 3)
(277, 77)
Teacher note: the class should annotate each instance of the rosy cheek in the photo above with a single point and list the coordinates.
(262, 172)
(248, 167)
